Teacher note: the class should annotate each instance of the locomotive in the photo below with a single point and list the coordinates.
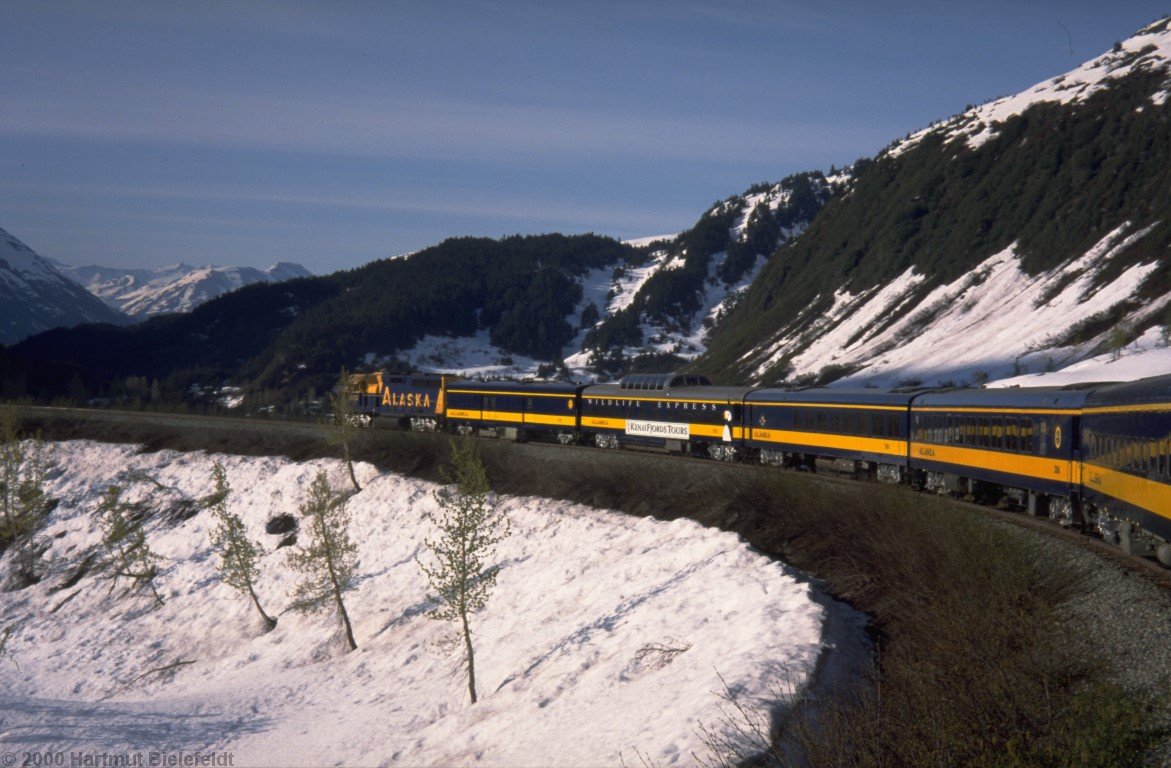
(1095, 457)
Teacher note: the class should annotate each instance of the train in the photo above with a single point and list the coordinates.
(1096, 457)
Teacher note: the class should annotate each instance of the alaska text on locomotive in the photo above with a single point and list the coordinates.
(657, 429)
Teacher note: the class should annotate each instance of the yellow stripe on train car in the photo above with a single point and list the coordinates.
(714, 430)
(1039, 412)
(507, 393)
(503, 416)
(1155, 497)
(1041, 467)
(838, 406)
(1148, 408)
(544, 418)
(600, 422)
(881, 445)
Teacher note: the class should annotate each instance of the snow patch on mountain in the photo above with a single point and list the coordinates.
(35, 297)
(1149, 49)
(472, 356)
(994, 322)
(1148, 355)
(608, 638)
(174, 288)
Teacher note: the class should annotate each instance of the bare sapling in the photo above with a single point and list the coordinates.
(127, 553)
(239, 555)
(345, 422)
(462, 573)
(23, 501)
(329, 563)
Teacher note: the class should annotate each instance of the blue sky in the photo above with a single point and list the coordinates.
(332, 134)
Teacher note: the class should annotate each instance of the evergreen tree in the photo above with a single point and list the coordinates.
(470, 527)
(238, 554)
(127, 553)
(329, 562)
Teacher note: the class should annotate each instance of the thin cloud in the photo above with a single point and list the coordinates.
(507, 209)
(390, 126)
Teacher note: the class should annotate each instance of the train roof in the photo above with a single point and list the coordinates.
(1156, 389)
(1039, 398)
(536, 387)
(832, 395)
(662, 381)
(685, 392)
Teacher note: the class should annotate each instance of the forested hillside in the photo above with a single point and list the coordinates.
(1056, 176)
(695, 278)
(283, 338)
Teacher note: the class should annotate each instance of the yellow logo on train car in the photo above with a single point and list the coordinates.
(1057, 437)
(569, 403)
(406, 399)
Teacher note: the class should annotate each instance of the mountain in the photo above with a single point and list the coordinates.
(177, 288)
(518, 293)
(1017, 237)
(35, 297)
(662, 311)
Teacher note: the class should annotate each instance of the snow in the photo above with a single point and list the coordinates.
(471, 356)
(994, 322)
(35, 297)
(173, 288)
(641, 242)
(773, 198)
(849, 316)
(1149, 49)
(627, 286)
(580, 592)
(1148, 355)
(23, 264)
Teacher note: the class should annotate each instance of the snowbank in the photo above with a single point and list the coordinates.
(1146, 356)
(561, 680)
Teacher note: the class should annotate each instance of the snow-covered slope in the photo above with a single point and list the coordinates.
(1148, 50)
(35, 297)
(175, 288)
(605, 641)
(1148, 355)
(1030, 304)
(994, 322)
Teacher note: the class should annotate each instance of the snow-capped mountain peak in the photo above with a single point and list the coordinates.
(174, 288)
(35, 297)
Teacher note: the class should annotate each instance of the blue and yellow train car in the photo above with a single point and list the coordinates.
(863, 431)
(408, 401)
(1126, 450)
(514, 410)
(668, 411)
(1020, 445)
